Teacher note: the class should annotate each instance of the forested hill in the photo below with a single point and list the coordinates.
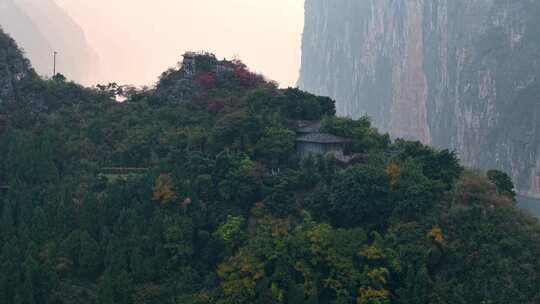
(193, 192)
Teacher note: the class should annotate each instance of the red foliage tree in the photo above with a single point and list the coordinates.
(207, 80)
(242, 75)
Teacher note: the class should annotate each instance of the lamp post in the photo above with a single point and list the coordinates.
(54, 64)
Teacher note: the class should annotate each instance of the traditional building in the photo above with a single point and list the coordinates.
(305, 127)
(224, 67)
(321, 144)
(189, 63)
(311, 140)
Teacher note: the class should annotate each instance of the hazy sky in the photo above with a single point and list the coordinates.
(138, 39)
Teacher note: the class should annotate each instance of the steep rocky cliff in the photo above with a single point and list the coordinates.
(15, 21)
(42, 27)
(459, 74)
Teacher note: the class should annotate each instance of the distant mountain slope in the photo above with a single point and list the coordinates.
(18, 24)
(13, 68)
(42, 27)
(458, 74)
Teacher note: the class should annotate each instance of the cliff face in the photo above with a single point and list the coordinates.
(15, 21)
(42, 27)
(458, 74)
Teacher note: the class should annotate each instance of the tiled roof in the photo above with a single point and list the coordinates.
(310, 127)
(322, 138)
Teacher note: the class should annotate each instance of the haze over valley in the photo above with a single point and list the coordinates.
(137, 40)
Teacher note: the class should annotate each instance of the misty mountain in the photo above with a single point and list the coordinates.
(14, 69)
(42, 27)
(458, 74)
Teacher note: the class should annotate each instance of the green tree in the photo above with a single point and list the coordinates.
(231, 231)
(364, 137)
(442, 165)
(89, 256)
(276, 146)
(414, 193)
(38, 282)
(105, 291)
(360, 196)
(311, 263)
(7, 225)
(39, 227)
(503, 182)
(233, 129)
(10, 262)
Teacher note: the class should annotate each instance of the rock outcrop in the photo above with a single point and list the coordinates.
(458, 74)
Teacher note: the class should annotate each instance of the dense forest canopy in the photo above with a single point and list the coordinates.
(192, 192)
